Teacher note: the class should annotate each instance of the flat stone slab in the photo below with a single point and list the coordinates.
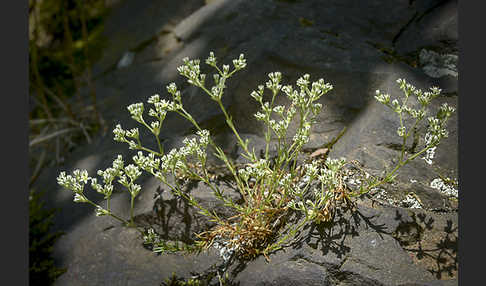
(356, 46)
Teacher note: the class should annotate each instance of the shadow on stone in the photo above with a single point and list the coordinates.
(430, 242)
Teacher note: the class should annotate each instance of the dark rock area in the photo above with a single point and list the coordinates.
(358, 47)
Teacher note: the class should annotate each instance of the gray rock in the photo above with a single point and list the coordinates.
(359, 248)
(372, 140)
(126, 60)
(116, 257)
(123, 33)
(434, 25)
(379, 257)
(435, 65)
(453, 282)
(335, 40)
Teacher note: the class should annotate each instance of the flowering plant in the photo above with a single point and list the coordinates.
(271, 188)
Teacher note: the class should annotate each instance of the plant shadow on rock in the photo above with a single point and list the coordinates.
(429, 238)
(331, 237)
(199, 280)
(431, 243)
(174, 219)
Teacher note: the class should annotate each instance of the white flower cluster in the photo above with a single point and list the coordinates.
(286, 181)
(126, 174)
(423, 98)
(136, 111)
(382, 97)
(328, 178)
(436, 129)
(211, 60)
(99, 211)
(258, 95)
(255, 171)
(121, 136)
(240, 62)
(176, 95)
(395, 105)
(151, 237)
(147, 163)
(305, 98)
(161, 107)
(429, 155)
(444, 188)
(311, 170)
(279, 127)
(192, 71)
(306, 182)
(108, 176)
(176, 159)
(401, 131)
(303, 135)
(274, 83)
(312, 188)
(302, 101)
(74, 182)
(445, 111)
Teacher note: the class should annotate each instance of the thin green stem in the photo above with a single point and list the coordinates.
(229, 121)
(116, 217)
(161, 148)
(218, 150)
(131, 210)
(140, 147)
(268, 136)
(404, 140)
(215, 190)
(398, 166)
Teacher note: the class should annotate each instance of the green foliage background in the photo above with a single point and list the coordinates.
(65, 38)
(42, 270)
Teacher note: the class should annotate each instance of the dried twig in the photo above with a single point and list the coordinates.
(53, 120)
(38, 167)
(40, 139)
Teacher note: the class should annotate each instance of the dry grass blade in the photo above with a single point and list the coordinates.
(88, 138)
(58, 120)
(38, 167)
(40, 139)
(83, 128)
(58, 146)
(57, 99)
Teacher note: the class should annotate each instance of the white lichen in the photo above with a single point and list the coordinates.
(444, 188)
(411, 202)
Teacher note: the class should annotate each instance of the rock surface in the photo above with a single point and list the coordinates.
(356, 46)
